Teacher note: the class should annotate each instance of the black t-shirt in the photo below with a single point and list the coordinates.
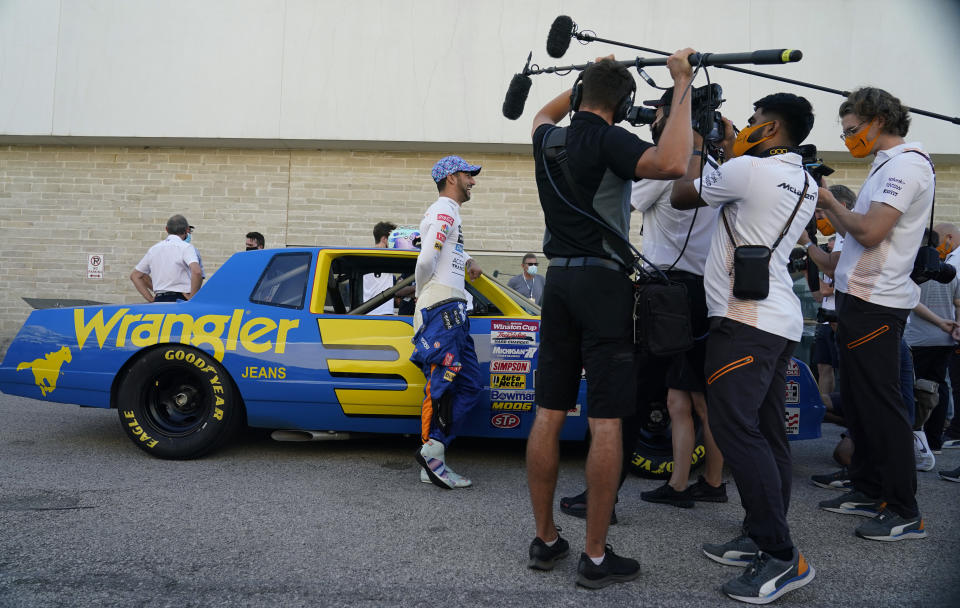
(597, 153)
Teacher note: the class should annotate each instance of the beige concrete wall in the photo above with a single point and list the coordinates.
(60, 204)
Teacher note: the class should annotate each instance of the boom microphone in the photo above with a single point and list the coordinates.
(516, 96)
(558, 40)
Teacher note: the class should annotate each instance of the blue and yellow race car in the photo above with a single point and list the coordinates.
(281, 339)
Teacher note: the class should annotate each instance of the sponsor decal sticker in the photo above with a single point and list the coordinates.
(528, 338)
(220, 333)
(505, 421)
(517, 367)
(511, 406)
(446, 219)
(498, 395)
(449, 375)
(792, 368)
(510, 352)
(508, 381)
(575, 410)
(793, 392)
(46, 369)
(515, 325)
(447, 359)
(441, 237)
(792, 420)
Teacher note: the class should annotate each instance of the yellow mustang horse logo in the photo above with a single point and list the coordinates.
(46, 370)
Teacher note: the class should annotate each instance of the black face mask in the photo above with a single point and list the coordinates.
(252, 248)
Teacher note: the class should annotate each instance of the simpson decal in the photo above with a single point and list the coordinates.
(516, 367)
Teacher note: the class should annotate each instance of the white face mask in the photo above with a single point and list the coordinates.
(532, 269)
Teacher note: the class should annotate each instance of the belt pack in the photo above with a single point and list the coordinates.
(661, 318)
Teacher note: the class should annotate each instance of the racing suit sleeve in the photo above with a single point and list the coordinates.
(431, 242)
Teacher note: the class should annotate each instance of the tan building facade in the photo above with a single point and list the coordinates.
(59, 205)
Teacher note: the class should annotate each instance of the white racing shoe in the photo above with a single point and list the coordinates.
(434, 470)
(921, 450)
(459, 481)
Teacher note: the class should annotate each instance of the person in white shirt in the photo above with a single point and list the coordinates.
(766, 198)
(171, 268)
(375, 283)
(875, 294)
(677, 242)
(442, 344)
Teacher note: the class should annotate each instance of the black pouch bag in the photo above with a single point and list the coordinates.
(751, 263)
(751, 272)
(661, 318)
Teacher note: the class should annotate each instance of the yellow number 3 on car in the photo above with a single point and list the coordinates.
(389, 335)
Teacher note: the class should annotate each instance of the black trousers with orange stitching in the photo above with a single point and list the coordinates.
(746, 389)
(883, 464)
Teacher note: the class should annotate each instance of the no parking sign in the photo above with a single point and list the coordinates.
(95, 266)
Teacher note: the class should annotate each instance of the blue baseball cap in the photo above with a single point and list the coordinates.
(448, 165)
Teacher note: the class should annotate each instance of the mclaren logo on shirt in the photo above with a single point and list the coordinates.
(790, 188)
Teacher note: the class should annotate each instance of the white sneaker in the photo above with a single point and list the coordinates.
(951, 444)
(459, 481)
(430, 456)
(921, 450)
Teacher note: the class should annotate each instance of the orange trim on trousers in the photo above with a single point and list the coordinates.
(426, 411)
(729, 367)
(874, 334)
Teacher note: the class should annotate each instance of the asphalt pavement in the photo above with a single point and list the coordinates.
(87, 519)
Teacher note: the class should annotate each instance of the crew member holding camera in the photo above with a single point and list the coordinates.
(677, 242)
(874, 296)
(583, 175)
(765, 196)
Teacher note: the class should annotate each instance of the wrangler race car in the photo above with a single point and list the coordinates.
(279, 339)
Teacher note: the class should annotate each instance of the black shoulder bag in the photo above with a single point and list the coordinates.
(661, 309)
(751, 263)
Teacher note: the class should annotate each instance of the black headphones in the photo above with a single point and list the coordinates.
(623, 106)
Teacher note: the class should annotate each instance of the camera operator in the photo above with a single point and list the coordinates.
(587, 300)
(874, 296)
(765, 195)
(677, 242)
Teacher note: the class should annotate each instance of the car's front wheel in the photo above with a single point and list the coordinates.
(176, 402)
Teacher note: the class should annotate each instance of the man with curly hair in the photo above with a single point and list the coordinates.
(874, 297)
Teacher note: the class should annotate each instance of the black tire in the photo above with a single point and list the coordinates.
(653, 455)
(177, 402)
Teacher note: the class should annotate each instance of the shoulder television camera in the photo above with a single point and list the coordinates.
(705, 101)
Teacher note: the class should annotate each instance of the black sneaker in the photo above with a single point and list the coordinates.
(577, 507)
(665, 494)
(953, 475)
(767, 578)
(740, 551)
(888, 526)
(854, 503)
(838, 480)
(704, 492)
(613, 569)
(543, 556)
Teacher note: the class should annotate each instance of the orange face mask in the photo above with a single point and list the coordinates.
(825, 227)
(858, 144)
(744, 144)
(944, 249)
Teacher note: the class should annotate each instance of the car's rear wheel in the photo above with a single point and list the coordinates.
(653, 455)
(177, 402)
